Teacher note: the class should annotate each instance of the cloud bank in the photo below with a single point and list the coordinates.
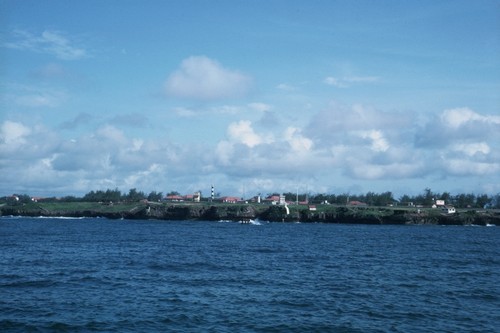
(339, 147)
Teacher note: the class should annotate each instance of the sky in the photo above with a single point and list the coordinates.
(249, 96)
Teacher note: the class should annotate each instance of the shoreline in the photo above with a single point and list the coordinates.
(238, 212)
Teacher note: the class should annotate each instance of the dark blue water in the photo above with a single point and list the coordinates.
(82, 275)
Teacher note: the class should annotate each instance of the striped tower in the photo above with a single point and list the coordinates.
(212, 194)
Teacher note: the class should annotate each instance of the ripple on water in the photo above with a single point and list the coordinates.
(112, 276)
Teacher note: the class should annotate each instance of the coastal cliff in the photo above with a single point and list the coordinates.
(239, 212)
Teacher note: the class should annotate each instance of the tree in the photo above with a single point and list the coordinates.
(154, 196)
(134, 195)
(495, 201)
(446, 196)
(465, 200)
(384, 199)
(343, 199)
(483, 201)
(370, 198)
(112, 195)
(429, 197)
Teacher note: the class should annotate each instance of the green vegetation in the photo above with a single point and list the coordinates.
(370, 208)
(385, 199)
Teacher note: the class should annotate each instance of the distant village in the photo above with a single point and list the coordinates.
(281, 200)
(447, 203)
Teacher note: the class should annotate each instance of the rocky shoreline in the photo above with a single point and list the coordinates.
(242, 212)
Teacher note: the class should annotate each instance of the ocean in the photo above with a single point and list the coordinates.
(100, 275)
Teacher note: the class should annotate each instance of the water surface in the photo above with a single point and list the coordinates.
(80, 275)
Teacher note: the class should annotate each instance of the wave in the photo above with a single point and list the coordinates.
(250, 221)
(17, 217)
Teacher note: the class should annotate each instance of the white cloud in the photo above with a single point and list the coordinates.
(49, 42)
(343, 147)
(297, 141)
(111, 133)
(13, 133)
(465, 167)
(379, 143)
(242, 132)
(202, 78)
(224, 151)
(226, 109)
(184, 112)
(347, 81)
(457, 126)
(472, 149)
(458, 117)
(335, 82)
(371, 171)
(343, 125)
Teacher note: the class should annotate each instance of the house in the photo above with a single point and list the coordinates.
(189, 197)
(356, 203)
(174, 197)
(230, 199)
(439, 203)
(274, 199)
(448, 209)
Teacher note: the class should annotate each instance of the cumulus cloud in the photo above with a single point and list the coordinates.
(20, 142)
(343, 124)
(472, 149)
(49, 42)
(456, 118)
(297, 141)
(457, 125)
(13, 133)
(378, 142)
(467, 167)
(202, 78)
(394, 171)
(341, 146)
(242, 132)
(41, 160)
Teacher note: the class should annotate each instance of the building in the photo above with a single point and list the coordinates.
(174, 197)
(356, 203)
(448, 209)
(230, 199)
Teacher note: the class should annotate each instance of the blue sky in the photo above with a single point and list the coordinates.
(253, 97)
